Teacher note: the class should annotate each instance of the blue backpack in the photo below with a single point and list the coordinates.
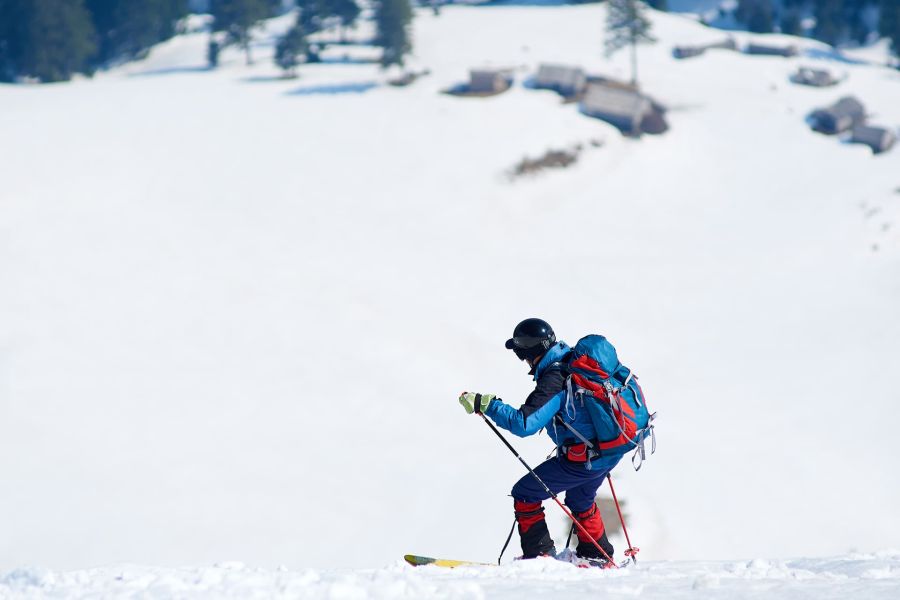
(613, 397)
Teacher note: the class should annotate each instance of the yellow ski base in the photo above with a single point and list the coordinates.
(419, 561)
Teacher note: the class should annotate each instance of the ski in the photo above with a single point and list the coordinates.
(419, 561)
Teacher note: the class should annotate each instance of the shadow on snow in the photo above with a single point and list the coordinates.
(334, 89)
(170, 71)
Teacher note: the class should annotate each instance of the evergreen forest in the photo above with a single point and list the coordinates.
(50, 40)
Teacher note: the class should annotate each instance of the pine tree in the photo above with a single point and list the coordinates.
(238, 18)
(127, 28)
(757, 15)
(8, 41)
(626, 24)
(345, 10)
(310, 20)
(854, 25)
(790, 18)
(790, 23)
(889, 23)
(46, 39)
(310, 15)
(289, 50)
(829, 21)
(392, 19)
(212, 53)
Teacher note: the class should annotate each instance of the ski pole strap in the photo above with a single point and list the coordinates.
(477, 406)
(508, 538)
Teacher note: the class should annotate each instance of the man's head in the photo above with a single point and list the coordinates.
(531, 339)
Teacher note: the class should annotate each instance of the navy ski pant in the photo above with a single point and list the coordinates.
(561, 475)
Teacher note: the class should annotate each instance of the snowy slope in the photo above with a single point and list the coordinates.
(856, 576)
(237, 310)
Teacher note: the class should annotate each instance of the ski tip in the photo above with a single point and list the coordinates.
(419, 561)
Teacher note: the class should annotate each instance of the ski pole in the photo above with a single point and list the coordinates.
(632, 551)
(549, 491)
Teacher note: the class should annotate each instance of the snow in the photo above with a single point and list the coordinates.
(237, 311)
(853, 576)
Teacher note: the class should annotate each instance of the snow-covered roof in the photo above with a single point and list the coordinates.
(879, 139)
(563, 76)
(838, 117)
(772, 50)
(814, 77)
(614, 101)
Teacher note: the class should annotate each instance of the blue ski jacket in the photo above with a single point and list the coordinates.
(547, 400)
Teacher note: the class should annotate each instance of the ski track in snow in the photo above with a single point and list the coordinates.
(873, 576)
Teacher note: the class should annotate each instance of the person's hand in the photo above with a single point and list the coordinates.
(475, 402)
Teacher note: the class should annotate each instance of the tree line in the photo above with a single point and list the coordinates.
(836, 21)
(50, 40)
(236, 19)
(392, 19)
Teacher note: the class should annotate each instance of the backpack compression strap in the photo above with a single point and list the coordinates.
(640, 453)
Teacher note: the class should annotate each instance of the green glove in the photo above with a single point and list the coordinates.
(475, 402)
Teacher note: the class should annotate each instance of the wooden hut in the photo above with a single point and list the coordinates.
(766, 50)
(692, 51)
(813, 77)
(726, 44)
(840, 116)
(682, 52)
(488, 81)
(566, 80)
(622, 107)
(879, 139)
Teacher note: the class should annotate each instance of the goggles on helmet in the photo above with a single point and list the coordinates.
(526, 342)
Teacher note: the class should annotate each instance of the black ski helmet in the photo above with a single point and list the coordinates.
(531, 338)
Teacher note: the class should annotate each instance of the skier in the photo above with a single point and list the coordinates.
(576, 469)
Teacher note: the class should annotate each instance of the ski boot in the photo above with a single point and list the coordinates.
(587, 546)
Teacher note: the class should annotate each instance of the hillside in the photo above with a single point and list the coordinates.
(237, 310)
(857, 576)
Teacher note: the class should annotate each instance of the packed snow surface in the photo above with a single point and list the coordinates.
(237, 311)
(874, 577)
